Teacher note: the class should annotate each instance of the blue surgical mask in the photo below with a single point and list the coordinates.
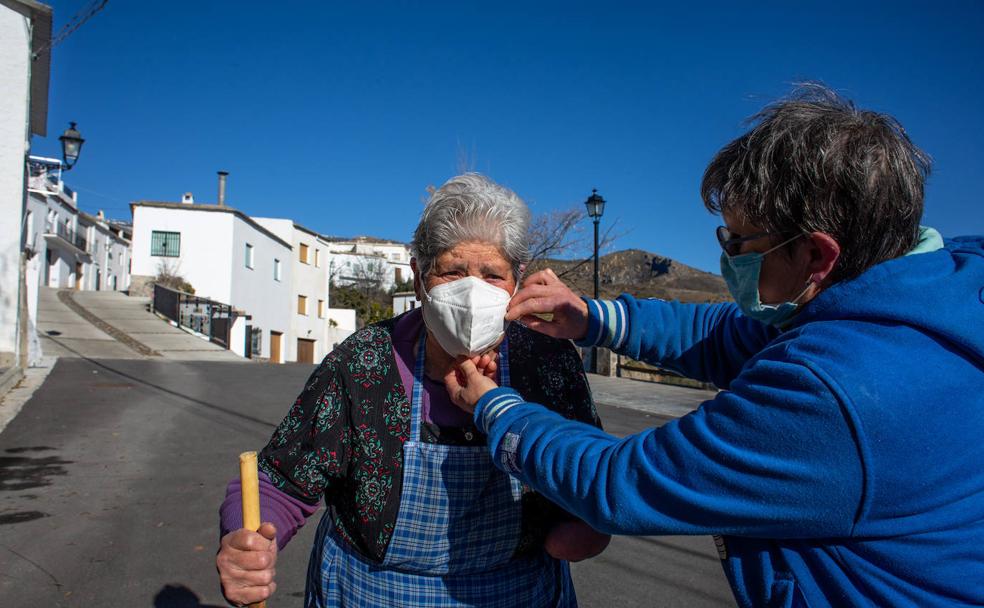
(741, 273)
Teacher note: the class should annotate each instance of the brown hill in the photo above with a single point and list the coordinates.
(641, 273)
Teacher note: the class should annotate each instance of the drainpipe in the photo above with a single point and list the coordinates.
(222, 185)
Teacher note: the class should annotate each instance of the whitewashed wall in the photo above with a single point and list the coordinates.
(402, 302)
(308, 278)
(206, 247)
(108, 253)
(14, 119)
(345, 267)
(255, 290)
(213, 260)
(342, 324)
(347, 256)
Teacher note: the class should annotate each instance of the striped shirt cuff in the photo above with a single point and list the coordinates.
(493, 404)
(608, 324)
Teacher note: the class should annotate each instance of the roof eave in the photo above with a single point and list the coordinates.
(40, 16)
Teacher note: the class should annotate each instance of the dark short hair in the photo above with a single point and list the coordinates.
(812, 162)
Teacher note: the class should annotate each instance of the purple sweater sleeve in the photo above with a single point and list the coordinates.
(285, 512)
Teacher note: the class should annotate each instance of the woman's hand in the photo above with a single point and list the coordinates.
(246, 562)
(545, 294)
(574, 541)
(469, 380)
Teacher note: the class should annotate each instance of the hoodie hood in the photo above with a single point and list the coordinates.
(936, 289)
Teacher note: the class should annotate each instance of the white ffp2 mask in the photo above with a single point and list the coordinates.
(465, 316)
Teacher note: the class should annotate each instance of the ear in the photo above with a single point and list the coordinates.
(822, 254)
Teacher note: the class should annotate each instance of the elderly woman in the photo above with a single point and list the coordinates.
(417, 513)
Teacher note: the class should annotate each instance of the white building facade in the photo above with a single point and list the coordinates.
(366, 259)
(226, 256)
(25, 31)
(65, 246)
(404, 301)
(314, 328)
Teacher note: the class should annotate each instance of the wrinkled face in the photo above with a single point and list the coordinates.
(468, 259)
(783, 277)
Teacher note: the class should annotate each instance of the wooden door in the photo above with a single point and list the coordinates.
(78, 276)
(305, 351)
(275, 346)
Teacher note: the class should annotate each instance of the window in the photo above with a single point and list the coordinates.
(303, 254)
(249, 256)
(317, 258)
(321, 309)
(165, 244)
(276, 269)
(302, 305)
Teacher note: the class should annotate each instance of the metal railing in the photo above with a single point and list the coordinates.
(202, 315)
(72, 237)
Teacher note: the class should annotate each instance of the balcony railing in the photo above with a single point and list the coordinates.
(72, 237)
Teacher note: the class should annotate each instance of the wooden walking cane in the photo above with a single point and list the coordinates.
(251, 497)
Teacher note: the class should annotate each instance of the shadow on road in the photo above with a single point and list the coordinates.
(179, 596)
(27, 473)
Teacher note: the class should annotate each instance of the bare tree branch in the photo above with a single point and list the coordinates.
(368, 275)
(561, 234)
(555, 234)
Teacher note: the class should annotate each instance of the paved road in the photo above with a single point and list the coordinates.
(111, 475)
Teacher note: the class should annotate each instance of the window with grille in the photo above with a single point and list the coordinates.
(165, 244)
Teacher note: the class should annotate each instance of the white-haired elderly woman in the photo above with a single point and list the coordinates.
(417, 513)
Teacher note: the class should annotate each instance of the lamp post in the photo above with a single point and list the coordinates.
(596, 208)
(71, 141)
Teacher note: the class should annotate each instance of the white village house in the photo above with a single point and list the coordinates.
(226, 257)
(367, 259)
(67, 247)
(25, 33)
(272, 272)
(315, 329)
(404, 301)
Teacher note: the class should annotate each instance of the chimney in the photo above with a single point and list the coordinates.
(101, 216)
(187, 199)
(222, 184)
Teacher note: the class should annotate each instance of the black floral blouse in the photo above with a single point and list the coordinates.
(343, 437)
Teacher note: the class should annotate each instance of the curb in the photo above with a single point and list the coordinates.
(9, 380)
(14, 399)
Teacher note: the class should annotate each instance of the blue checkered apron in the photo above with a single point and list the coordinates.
(456, 532)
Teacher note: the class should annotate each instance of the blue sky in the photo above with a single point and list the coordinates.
(339, 114)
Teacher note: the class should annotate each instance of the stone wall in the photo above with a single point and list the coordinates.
(141, 285)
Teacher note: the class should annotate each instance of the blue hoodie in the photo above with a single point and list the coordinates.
(843, 461)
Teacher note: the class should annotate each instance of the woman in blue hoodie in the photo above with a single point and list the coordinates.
(842, 463)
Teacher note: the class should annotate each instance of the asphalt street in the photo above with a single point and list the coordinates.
(111, 476)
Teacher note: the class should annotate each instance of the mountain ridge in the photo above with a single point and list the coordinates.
(641, 273)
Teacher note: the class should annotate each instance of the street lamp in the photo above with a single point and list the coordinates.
(596, 208)
(71, 141)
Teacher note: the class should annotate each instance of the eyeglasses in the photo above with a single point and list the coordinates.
(731, 244)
